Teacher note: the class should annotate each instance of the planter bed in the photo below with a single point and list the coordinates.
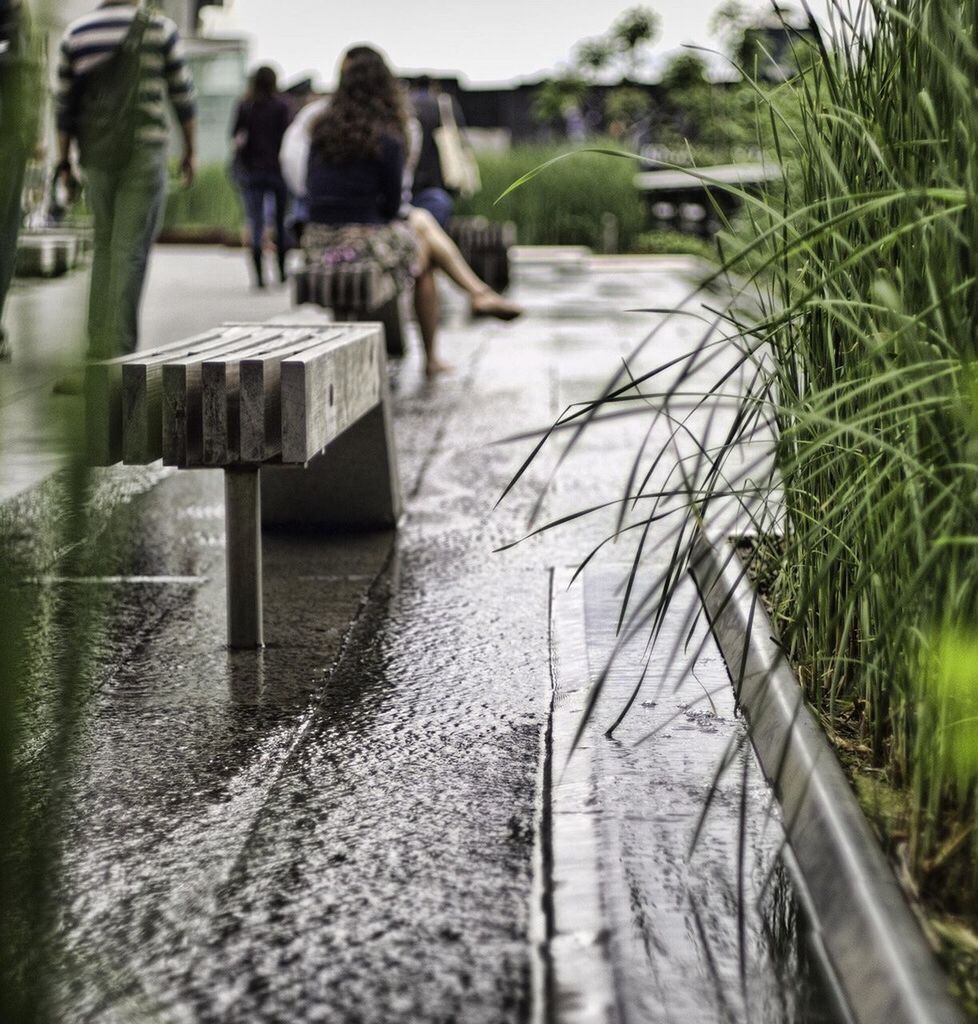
(199, 235)
(873, 944)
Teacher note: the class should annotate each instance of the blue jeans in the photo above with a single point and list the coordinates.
(127, 204)
(254, 189)
(437, 202)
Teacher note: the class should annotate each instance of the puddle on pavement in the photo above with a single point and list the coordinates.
(338, 828)
(341, 828)
(704, 931)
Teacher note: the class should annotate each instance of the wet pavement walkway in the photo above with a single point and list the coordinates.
(353, 825)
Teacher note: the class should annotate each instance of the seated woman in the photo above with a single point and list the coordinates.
(353, 191)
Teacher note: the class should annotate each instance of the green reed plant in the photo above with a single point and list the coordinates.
(46, 637)
(853, 455)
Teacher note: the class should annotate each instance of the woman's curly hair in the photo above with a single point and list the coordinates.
(367, 105)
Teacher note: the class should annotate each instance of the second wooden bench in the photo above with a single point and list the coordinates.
(354, 292)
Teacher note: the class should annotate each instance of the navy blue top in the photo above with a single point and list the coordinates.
(365, 191)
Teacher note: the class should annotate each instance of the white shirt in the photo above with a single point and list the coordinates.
(294, 154)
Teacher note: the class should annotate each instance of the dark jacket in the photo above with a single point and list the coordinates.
(262, 122)
(18, 85)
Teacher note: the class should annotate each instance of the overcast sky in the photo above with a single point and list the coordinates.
(487, 41)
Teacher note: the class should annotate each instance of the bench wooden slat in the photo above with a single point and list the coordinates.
(260, 396)
(345, 373)
(182, 396)
(221, 392)
(142, 412)
(103, 413)
(345, 287)
(103, 399)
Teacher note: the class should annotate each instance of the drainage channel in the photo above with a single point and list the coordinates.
(655, 912)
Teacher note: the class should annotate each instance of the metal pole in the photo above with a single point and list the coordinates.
(242, 511)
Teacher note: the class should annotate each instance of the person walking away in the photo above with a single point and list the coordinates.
(260, 122)
(117, 66)
(18, 131)
(429, 191)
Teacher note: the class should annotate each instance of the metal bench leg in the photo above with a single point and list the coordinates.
(389, 314)
(242, 512)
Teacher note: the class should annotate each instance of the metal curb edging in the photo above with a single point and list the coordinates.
(874, 944)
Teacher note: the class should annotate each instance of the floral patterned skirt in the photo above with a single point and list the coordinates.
(392, 246)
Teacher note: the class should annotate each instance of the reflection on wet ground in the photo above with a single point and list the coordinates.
(342, 827)
(699, 914)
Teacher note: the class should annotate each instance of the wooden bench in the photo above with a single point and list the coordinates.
(46, 253)
(354, 292)
(298, 417)
(695, 200)
(485, 244)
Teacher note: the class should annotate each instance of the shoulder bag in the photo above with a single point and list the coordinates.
(459, 169)
(109, 102)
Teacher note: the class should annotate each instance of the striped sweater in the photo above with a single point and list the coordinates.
(92, 39)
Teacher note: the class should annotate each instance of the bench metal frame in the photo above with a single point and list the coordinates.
(261, 402)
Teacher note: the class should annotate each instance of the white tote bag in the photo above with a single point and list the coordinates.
(459, 169)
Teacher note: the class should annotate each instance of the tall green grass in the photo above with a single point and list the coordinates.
(873, 336)
(567, 208)
(212, 203)
(854, 453)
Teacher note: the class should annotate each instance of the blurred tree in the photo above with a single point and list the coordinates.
(685, 71)
(626, 110)
(698, 113)
(729, 22)
(774, 46)
(633, 30)
(593, 55)
(556, 97)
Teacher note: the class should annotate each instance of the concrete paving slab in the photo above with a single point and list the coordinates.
(343, 827)
(689, 931)
(187, 290)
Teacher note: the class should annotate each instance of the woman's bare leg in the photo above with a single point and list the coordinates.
(443, 252)
(440, 251)
(426, 307)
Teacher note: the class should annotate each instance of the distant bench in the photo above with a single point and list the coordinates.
(298, 417)
(354, 292)
(690, 198)
(485, 244)
(48, 253)
(364, 291)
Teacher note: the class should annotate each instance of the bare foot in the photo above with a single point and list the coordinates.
(435, 367)
(490, 303)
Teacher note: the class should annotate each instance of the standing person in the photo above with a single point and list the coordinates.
(259, 124)
(429, 191)
(353, 188)
(117, 66)
(17, 135)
